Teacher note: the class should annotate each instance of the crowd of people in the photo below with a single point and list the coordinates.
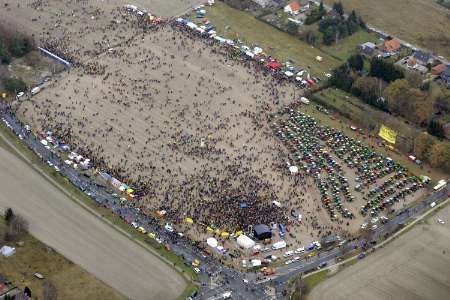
(182, 119)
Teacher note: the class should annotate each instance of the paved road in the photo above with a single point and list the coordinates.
(86, 240)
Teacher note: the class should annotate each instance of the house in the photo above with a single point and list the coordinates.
(292, 8)
(438, 69)
(391, 46)
(413, 64)
(423, 58)
(368, 49)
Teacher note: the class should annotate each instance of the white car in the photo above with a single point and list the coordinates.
(288, 262)
(440, 221)
(300, 250)
(197, 270)
(296, 258)
(288, 253)
(134, 224)
(20, 94)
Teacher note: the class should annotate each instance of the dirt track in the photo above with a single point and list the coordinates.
(87, 241)
(415, 266)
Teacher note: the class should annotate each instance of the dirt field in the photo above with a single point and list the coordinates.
(415, 266)
(170, 114)
(421, 22)
(85, 240)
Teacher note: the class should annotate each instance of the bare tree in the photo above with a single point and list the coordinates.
(16, 228)
(9, 215)
(49, 291)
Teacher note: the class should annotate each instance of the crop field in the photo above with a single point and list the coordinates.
(420, 22)
(414, 266)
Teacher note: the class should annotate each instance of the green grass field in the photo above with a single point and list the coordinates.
(234, 24)
(344, 48)
(70, 280)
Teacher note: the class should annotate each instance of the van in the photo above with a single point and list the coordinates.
(279, 245)
(35, 90)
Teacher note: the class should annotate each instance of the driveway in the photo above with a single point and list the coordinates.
(74, 232)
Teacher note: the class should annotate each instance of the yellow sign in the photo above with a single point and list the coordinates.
(387, 134)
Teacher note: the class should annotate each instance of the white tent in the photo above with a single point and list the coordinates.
(276, 203)
(7, 251)
(293, 169)
(257, 50)
(245, 242)
(212, 242)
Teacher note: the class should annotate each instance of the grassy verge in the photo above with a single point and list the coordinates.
(236, 24)
(315, 279)
(346, 47)
(171, 258)
(68, 278)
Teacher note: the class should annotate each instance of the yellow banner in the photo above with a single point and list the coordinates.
(388, 134)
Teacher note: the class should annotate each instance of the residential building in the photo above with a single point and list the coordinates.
(423, 58)
(292, 8)
(368, 49)
(391, 46)
(438, 69)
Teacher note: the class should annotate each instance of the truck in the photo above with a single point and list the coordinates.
(282, 229)
(440, 185)
(279, 245)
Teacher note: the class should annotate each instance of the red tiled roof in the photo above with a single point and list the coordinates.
(294, 6)
(437, 70)
(392, 45)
